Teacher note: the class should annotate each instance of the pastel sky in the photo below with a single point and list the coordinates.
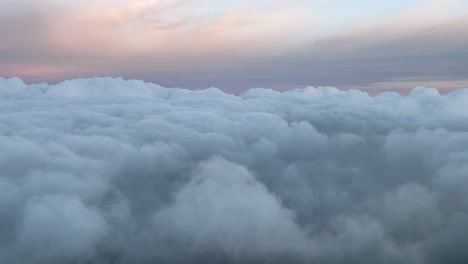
(236, 45)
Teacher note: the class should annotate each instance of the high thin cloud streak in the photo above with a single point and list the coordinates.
(236, 45)
(113, 171)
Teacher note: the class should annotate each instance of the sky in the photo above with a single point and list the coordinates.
(324, 166)
(236, 45)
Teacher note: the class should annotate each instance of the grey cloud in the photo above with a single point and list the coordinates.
(224, 208)
(380, 53)
(24, 28)
(110, 171)
(58, 226)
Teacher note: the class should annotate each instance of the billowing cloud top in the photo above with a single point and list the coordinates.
(235, 45)
(113, 171)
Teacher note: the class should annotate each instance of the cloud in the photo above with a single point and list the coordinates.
(161, 35)
(110, 171)
(208, 214)
(236, 45)
(58, 226)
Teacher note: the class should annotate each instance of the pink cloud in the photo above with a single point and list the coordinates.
(171, 38)
(32, 73)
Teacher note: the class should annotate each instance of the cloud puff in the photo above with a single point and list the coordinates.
(111, 171)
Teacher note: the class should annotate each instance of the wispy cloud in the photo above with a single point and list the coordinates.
(233, 43)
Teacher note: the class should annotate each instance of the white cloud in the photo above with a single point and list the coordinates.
(113, 171)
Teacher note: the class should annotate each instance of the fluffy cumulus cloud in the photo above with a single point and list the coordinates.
(113, 171)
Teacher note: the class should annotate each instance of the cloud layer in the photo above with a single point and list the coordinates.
(113, 171)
